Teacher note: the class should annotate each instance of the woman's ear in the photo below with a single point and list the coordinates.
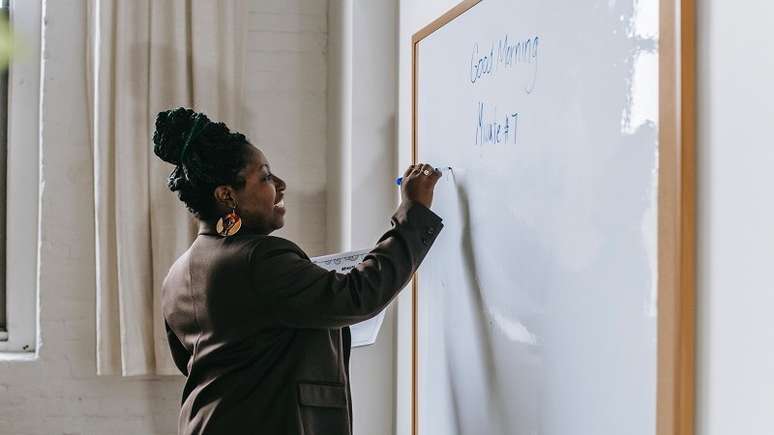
(224, 196)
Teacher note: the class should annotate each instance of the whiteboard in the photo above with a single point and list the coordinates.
(536, 309)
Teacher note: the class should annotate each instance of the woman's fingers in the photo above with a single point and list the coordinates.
(419, 184)
(422, 169)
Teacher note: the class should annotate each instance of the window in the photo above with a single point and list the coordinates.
(19, 181)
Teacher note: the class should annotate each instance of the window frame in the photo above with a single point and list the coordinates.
(22, 180)
(4, 140)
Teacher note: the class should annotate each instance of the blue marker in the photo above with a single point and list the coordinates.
(400, 179)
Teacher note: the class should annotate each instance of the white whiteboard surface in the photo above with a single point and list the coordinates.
(536, 306)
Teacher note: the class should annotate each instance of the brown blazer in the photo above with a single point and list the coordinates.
(262, 335)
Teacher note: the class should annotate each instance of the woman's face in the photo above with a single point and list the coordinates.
(260, 203)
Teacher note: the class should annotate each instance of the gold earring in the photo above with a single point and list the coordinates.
(229, 224)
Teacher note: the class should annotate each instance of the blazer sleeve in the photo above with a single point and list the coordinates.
(300, 294)
(180, 354)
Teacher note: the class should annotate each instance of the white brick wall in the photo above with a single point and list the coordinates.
(286, 88)
(60, 393)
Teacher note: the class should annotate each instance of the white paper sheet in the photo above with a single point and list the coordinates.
(363, 333)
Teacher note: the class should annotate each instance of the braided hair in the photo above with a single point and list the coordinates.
(205, 154)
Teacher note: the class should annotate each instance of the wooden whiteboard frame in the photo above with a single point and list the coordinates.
(676, 215)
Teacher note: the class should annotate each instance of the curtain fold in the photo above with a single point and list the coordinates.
(144, 57)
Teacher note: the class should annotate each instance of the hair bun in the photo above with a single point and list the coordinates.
(172, 128)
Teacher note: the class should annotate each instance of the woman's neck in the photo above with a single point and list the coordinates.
(207, 227)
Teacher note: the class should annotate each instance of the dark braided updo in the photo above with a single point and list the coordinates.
(205, 154)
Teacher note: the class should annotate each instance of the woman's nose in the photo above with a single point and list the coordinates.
(279, 183)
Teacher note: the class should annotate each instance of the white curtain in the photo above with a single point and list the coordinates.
(146, 56)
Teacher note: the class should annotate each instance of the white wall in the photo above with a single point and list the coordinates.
(289, 118)
(59, 393)
(339, 124)
(362, 70)
(735, 218)
(374, 195)
(286, 84)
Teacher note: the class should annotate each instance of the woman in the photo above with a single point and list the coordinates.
(259, 331)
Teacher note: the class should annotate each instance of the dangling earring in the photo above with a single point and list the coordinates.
(229, 224)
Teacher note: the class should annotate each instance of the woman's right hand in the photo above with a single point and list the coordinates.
(418, 183)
